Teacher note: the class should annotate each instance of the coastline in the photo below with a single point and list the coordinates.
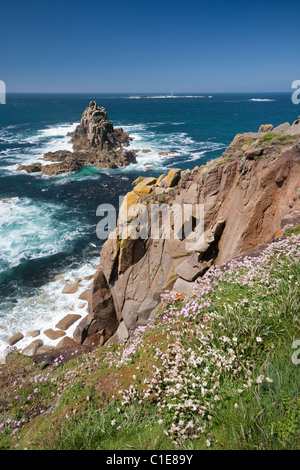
(64, 303)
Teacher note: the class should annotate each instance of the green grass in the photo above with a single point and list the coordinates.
(277, 139)
(293, 230)
(246, 141)
(268, 137)
(98, 429)
(284, 139)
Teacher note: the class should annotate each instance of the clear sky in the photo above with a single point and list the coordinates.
(149, 45)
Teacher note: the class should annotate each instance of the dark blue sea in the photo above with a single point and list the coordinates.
(47, 228)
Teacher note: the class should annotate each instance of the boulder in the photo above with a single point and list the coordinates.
(165, 152)
(158, 190)
(282, 128)
(173, 177)
(252, 153)
(189, 269)
(67, 321)
(70, 288)
(52, 334)
(94, 341)
(31, 349)
(33, 334)
(127, 210)
(14, 339)
(84, 295)
(44, 349)
(266, 128)
(138, 180)
(160, 179)
(144, 187)
(294, 130)
(122, 332)
(184, 287)
(66, 341)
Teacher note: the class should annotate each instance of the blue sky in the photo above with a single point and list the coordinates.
(149, 46)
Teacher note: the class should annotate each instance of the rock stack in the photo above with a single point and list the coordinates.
(95, 142)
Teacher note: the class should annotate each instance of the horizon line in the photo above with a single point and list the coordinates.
(142, 93)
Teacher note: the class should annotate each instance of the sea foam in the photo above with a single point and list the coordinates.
(180, 145)
(33, 229)
(260, 99)
(34, 146)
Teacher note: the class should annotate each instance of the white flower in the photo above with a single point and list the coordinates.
(258, 339)
(269, 380)
(236, 405)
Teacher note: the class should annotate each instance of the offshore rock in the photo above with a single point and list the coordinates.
(95, 143)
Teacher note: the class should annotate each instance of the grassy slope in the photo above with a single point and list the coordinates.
(213, 371)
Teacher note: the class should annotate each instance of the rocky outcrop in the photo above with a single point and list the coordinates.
(248, 194)
(95, 142)
(96, 131)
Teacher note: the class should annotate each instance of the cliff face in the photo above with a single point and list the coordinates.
(95, 142)
(249, 194)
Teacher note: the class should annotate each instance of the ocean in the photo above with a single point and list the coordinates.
(48, 224)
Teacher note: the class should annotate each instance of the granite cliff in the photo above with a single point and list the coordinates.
(250, 194)
(95, 142)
